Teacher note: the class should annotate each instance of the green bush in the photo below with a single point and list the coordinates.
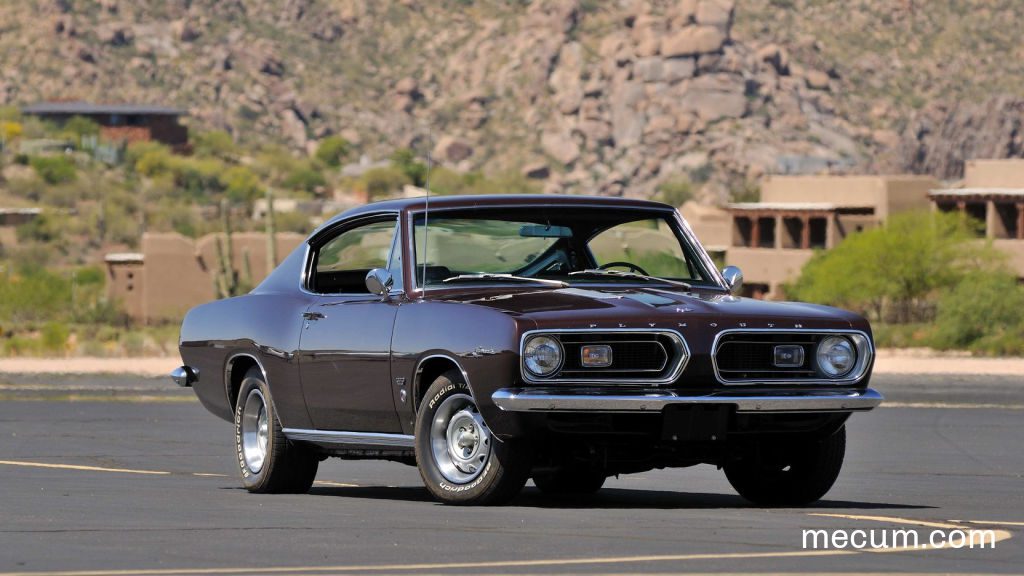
(405, 160)
(21, 346)
(675, 191)
(332, 151)
(380, 182)
(241, 184)
(216, 143)
(304, 178)
(899, 268)
(79, 126)
(985, 312)
(54, 338)
(34, 295)
(54, 169)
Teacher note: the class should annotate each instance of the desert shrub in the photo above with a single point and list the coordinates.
(11, 130)
(404, 159)
(147, 158)
(674, 191)
(21, 346)
(34, 295)
(241, 184)
(54, 169)
(48, 227)
(133, 343)
(379, 182)
(304, 177)
(332, 151)
(293, 222)
(981, 312)
(216, 143)
(79, 126)
(54, 338)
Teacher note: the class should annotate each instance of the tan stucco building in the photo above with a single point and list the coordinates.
(771, 240)
(173, 273)
(993, 192)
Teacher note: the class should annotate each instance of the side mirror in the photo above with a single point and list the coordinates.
(733, 278)
(379, 281)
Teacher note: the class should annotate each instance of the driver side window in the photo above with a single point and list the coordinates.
(650, 245)
(342, 262)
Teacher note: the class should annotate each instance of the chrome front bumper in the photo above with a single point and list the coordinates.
(561, 400)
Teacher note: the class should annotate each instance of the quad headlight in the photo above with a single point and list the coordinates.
(542, 355)
(836, 356)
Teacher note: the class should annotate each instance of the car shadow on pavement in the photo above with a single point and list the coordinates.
(608, 498)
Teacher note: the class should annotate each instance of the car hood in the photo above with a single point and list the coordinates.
(641, 306)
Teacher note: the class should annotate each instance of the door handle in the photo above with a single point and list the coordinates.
(312, 315)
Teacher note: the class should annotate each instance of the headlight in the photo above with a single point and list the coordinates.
(542, 355)
(836, 356)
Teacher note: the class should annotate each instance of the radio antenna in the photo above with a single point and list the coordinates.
(426, 209)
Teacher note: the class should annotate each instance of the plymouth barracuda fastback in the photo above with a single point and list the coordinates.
(489, 340)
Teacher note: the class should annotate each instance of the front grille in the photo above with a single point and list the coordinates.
(648, 357)
(747, 357)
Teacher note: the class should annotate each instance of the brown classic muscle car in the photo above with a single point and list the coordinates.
(489, 340)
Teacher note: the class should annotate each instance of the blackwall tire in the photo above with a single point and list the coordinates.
(570, 481)
(796, 474)
(458, 458)
(268, 462)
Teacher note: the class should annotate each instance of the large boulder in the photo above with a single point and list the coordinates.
(560, 146)
(693, 40)
(714, 97)
(452, 149)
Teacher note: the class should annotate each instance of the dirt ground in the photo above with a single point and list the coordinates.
(889, 361)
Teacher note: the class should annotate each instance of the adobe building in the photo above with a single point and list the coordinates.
(174, 273)
(992, 192)
(120, 122)
(771, 240)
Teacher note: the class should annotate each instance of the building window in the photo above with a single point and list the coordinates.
(819, 232)
(1006, 222)
(977, 211)
(742, 232)
(766, 232)
(792, 233)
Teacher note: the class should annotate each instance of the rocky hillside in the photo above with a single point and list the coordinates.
(610, 97)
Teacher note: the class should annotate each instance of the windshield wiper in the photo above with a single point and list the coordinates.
(504, 278)
(628, 275)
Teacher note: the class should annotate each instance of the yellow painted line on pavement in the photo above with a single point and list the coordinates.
(997, 535)
(1001, 535)
(77, 467)
(951, 405)
(442, 566)
(990, 522)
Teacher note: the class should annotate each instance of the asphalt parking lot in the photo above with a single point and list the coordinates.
(102, 474)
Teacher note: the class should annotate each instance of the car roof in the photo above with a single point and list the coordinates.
(495, 200)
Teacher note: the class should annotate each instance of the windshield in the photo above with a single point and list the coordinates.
(576, 246)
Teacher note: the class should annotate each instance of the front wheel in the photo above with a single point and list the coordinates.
(268, 461)
(459, 459)
(791, 474)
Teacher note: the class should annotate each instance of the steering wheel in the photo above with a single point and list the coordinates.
(632, 267)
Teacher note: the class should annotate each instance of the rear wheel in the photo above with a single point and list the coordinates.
(794, 474)
(269, 462)
(570, 481)
(459, 459)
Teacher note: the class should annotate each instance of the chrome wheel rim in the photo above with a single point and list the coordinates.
(255, 431)
(460, 440)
